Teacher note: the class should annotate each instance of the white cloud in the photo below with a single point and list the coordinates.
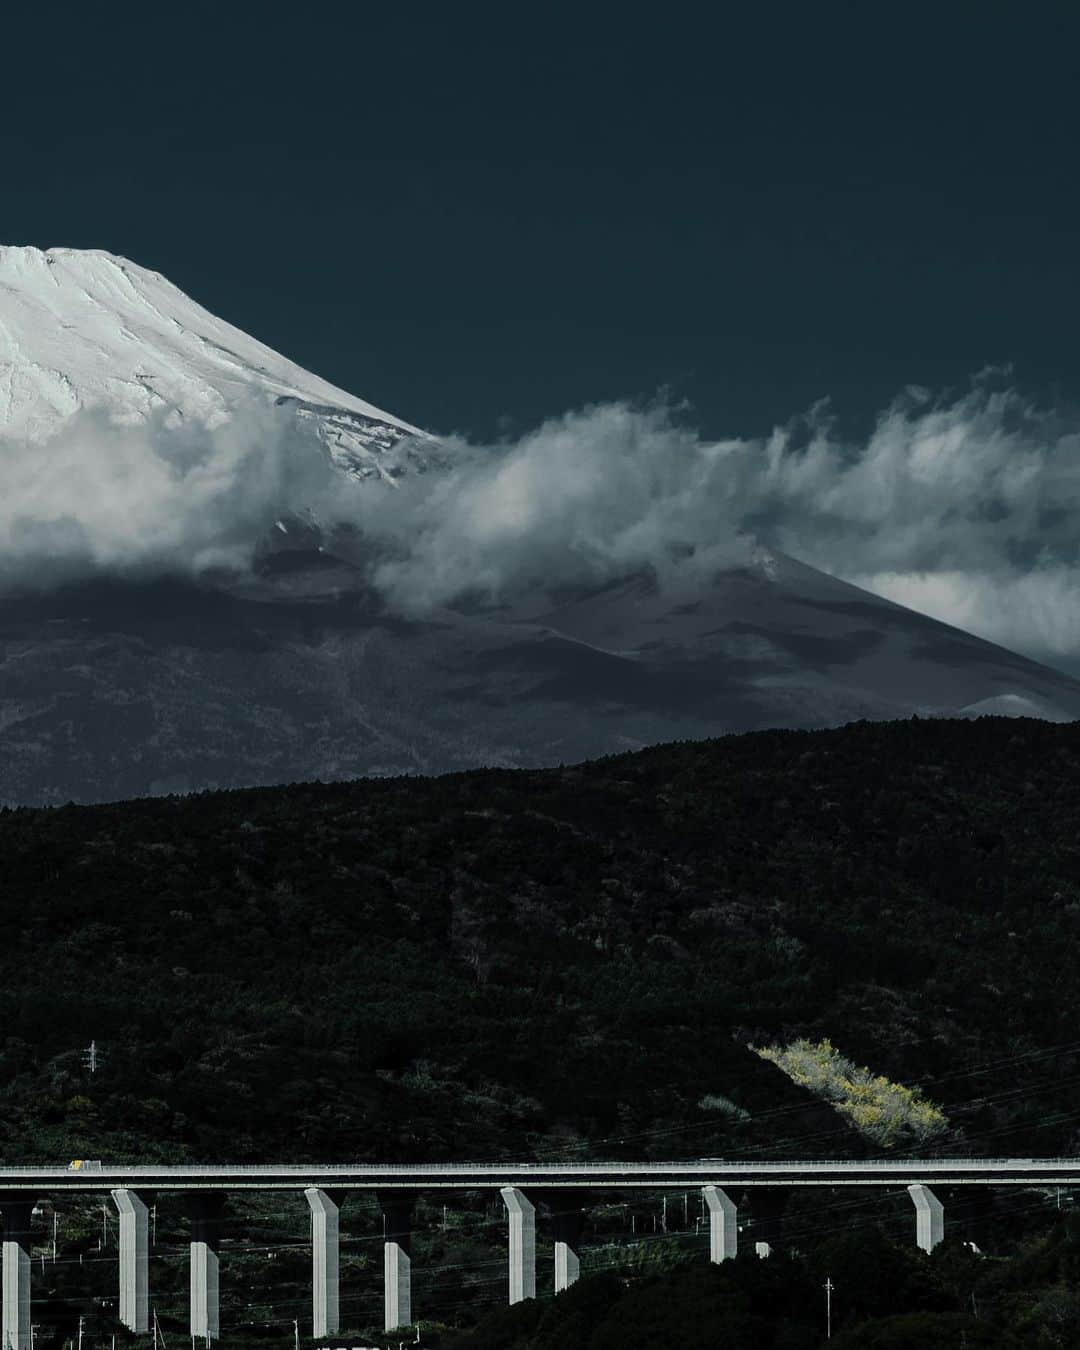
(965, 509)
(164, 495)
(584, 497)
(1036, 611)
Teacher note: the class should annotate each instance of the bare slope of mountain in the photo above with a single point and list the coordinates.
(118, 688)
(114, 690)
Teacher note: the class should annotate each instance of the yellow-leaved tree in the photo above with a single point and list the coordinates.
(888, 1113)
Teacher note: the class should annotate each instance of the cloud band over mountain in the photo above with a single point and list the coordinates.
(963, 508)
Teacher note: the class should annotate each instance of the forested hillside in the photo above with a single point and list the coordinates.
(572, 962)
(498, 962)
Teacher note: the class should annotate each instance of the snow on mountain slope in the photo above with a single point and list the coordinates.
(85, 329)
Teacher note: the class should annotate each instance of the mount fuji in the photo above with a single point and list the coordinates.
(119, 684)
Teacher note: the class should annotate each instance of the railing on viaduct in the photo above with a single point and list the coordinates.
(396, 1186)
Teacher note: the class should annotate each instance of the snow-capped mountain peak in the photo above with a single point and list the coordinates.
(82, 328)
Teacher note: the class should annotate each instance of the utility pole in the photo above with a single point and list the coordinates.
(54, 1235)
(296, 1332)
(91, 1058)
(153, 1224)
(829, 1287)
(80, 1332)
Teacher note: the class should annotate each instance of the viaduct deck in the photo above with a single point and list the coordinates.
(546, 1176)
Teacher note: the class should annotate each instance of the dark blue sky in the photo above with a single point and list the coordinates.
(471, 213)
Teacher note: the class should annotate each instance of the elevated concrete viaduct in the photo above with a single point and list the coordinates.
(559, 1189)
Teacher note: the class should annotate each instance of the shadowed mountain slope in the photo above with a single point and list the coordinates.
(118, 690)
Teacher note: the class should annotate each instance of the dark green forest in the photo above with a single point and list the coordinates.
(573, 962)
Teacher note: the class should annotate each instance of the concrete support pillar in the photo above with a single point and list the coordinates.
(15, 1333)
(929, 1217)
(723, 1224)
(522, 1215)
(397, 1208)
(325, 1264)
(134, 1261)
(566, 1220)
(205, 1209)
